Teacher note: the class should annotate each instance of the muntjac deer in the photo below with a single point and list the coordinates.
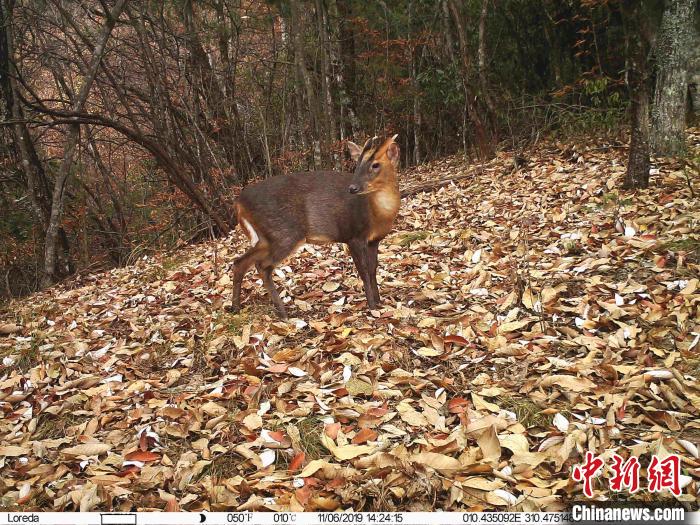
(281, 213)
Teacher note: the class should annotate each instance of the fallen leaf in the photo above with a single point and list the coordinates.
(87, 449)
(141, 455)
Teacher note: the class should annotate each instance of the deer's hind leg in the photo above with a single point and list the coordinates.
(279, 250)
(266, 276)
(241, 265)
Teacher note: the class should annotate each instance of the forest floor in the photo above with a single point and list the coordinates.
(529, 315)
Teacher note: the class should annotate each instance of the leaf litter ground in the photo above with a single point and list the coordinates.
(529, 315)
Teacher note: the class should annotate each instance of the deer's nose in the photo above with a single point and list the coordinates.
(354, 188)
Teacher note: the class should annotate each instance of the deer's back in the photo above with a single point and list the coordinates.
(314, 206)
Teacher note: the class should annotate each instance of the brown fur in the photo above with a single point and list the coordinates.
(317, 207)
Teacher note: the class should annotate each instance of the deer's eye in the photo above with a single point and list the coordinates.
(376, 166)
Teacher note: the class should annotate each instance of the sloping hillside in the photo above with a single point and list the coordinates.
(530, 314)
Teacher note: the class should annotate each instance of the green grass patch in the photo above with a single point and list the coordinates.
(27, 356)
(572, 248)
(174, 261)
(233, 323)
(613, 198)
(155, 358)
(691, 366)
(159, 272)
(225, 466)
(529, 414)
(310, 431)
(50, 426)
(407, 239)
(690, 246)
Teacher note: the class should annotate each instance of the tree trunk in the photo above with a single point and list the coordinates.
(417, 120)
(223, 121)
(51, 270)
(341, 37)
(449, 41)
(481, 65)
(638, 163)
(297, 28)
(637, 44)
(481, 135)
(327, 124)
(694, 74)
(31, 166)
(673, 48)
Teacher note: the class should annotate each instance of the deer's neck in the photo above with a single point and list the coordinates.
(383, 207)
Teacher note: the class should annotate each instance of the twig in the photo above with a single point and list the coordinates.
(688, 164)
(428, 186)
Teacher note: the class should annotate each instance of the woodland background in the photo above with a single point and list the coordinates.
(128, 127)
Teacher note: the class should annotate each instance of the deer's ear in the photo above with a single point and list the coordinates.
(393, 152)
(355, 151)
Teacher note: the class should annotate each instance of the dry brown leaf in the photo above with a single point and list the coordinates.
(87, 449)
(14, 451)
(346, 452)
(567, 382)
(440, 462)
(489, 444)
(9, 328)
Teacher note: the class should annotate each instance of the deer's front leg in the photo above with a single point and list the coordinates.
(373, 262)
(360, 255)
